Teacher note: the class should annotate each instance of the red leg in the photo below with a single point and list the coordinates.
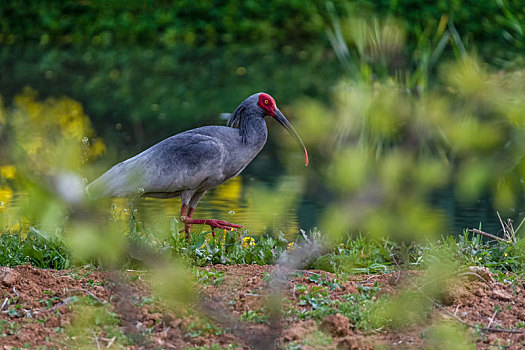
(187, 226)
(183, 218)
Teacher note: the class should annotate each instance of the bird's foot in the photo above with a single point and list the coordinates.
(222, 224)
(213, 223)
(186, 230)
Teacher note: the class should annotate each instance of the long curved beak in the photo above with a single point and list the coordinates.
(284, 122)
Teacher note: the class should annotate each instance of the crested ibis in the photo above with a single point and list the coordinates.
(192, 162)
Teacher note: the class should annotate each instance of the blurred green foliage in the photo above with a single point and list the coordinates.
(493, 29)
(496, 24)
(391, 142)
(162, 23)
(447, 335)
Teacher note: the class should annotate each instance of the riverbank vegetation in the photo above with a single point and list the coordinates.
(361, 291)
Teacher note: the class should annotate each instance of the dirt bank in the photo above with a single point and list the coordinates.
(68, 309)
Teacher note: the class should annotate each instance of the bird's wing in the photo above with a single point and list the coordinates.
(189, 160)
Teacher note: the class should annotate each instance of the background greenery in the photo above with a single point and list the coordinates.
(144, 70)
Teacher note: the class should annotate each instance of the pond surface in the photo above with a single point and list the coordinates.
(239, 201)
(235, 201)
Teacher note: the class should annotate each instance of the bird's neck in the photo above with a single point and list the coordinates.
(253, 130)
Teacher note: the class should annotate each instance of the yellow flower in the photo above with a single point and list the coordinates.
(291, 246)
(33, 145)
(8, 171)
(97, 148)
(248, 242)
(6, 193)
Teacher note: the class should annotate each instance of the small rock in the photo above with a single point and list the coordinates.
(502, 295)
(483, 272)
(176, 323)
(8, 276)
(354, 343)
(347, 344)
(298, 330)
(337, 324)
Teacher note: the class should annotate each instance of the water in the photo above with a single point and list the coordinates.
(477, 214)
(265, 202)
(232, 201)
(236, 201)
(257, 201)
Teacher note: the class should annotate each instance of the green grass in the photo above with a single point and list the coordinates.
(92, 318)
(202, 326)
(256, 316)
(358, 255)
(317, 303)
(227, 248)
(362, 255)
(208, 277)
(500, 256)
(355, 255)
(38, 248)
(314, 340)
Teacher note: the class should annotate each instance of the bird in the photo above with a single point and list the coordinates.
(192, 162)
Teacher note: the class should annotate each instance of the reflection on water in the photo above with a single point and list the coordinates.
(237, 202)
(6, 194)
(232, 201)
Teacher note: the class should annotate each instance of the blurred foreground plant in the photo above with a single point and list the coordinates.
(389, 144)
(50, 135)
(45, 147)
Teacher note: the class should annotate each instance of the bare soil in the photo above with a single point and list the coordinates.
(40, 308)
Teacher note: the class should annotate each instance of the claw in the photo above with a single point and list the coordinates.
(213, 223)
(222, 224)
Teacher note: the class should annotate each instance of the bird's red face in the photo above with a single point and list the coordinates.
(267, 104)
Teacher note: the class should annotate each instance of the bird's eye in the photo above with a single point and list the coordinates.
(266, 102)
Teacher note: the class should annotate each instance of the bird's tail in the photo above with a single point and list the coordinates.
(118, 181)
(97, 189)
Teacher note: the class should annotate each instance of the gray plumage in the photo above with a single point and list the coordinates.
(192, 162)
